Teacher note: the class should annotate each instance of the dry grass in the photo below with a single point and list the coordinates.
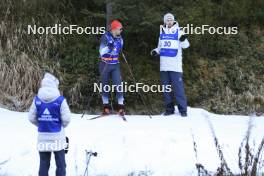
(249, 102)
(19, 81)
(249, 162)
(22, 59)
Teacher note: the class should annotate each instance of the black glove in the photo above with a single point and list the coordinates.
(183, 37)
(154, 53)
(67, 147)
(110, 45)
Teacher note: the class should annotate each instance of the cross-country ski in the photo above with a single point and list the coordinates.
(109, 116)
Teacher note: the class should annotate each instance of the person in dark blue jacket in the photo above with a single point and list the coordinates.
(110, 47)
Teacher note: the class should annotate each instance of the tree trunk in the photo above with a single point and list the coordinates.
(108, 13)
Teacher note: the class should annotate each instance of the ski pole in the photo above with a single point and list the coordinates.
(100, 77)
(134, 80)
(91, 97)
(89, 154)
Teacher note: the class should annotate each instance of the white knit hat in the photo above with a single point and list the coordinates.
(168, 16)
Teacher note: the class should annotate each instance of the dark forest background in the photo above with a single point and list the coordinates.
(223, 73)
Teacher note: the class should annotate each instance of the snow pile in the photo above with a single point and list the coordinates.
(162, 146)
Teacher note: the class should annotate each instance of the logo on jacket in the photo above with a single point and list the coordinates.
(46, 112)
(46, 116)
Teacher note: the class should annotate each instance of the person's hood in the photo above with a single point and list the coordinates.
(49, 88)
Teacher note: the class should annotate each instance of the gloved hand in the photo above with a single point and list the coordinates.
(110, 45)
(153, 53)
(183, 37)
(67, 147)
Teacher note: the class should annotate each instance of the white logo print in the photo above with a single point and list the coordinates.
(46, 116)
(46, 112)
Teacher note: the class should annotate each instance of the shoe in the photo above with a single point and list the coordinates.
(184, 114)
(169, 109)
(106, 109)
(167, 113)
(121, 110)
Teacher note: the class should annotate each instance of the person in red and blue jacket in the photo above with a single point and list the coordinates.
(110, 47)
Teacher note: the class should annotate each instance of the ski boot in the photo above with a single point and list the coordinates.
(106, 109)
(121, 110)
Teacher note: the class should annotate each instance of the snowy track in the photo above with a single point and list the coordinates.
(162, 145)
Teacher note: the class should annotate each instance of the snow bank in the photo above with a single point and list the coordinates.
(162, 146)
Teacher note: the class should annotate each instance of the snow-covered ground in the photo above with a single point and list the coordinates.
(162, 146)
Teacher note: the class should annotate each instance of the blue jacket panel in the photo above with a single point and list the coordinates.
(110, 47)
(48, 114)
(169, 44)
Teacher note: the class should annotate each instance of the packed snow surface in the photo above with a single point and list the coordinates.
(161, 146)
